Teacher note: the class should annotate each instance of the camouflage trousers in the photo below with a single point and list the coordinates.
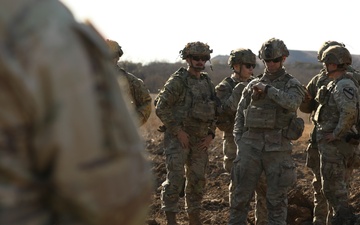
(321, 211)
(249, 164)
(335, 173)
(229, 150)
(190, 163)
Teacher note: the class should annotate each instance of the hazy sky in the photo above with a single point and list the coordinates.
(150, 30)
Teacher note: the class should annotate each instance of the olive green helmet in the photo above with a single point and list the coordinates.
(337, 54)
(272, 49)
(240, 56)
(325, 46)
(115, 48)
(195, 48)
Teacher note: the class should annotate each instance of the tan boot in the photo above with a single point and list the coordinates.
(194, 218)
(171, 218)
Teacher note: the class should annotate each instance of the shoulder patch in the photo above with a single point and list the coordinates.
(348, 92)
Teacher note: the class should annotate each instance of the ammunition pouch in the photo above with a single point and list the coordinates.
(203, 111)
(295, 129)
(256, 117)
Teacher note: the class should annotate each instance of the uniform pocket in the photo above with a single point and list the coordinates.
(287, 175)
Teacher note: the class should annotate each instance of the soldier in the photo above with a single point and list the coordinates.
(321, 212)
(139, 95)
(242, 61)
(265, 124)
(70, 152)
(335, 117)
(186, 106)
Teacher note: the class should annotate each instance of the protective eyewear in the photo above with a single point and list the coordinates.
(276, 60)
(202, 58)
(249, 65)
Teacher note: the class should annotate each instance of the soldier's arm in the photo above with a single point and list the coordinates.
(167, 99)
(346, 98)
(239, 127)
(308, 105)
(291, 98)
(234, 99)
(142, 100)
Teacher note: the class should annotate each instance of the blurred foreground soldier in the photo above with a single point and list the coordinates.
(135, 87)
(70, 152)
(265, 124)
(335, 118)
(186, 106)
(242, 61)
(309, 105)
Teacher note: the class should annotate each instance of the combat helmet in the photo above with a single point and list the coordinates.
(325, 46)
(241, 56)
(337, 55)
(195, 48)
(272, 49)
(115, 48)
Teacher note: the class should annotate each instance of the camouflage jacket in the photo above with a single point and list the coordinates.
(338, 106)
(310, 105)
(282, 99)
(187, 103)
(229, 92)
(139, 95)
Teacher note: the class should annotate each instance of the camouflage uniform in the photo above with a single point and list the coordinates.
(229, 91)
(336, 115)
(139, 95)
(70, 152)
(135, 88)
(321, 212)
(264, 145)
(186, 103)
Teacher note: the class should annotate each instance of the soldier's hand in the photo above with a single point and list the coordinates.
(205, 142)
(183, 137)
(259, 87)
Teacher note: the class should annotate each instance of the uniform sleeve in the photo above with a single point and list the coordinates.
(310, 105)
(346, 98)
(234, 99)
(167, 99)
(224, 92)
(142, 100)
(291, 97)
(212, 126)
(239, 127)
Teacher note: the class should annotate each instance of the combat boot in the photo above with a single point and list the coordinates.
(194, 218)
(171, 218)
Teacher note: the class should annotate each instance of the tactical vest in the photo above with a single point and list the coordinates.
(188, 106)
(265, 113)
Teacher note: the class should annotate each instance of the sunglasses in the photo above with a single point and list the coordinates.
(249, 65)
(202, 58)
(276, 60)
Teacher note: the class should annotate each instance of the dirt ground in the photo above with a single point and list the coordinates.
(216, 203)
